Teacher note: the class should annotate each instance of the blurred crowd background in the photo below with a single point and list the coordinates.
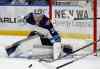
(24, 2)
(44, 2)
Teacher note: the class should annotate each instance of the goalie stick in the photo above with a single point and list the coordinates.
(88, 45)
(74, 60)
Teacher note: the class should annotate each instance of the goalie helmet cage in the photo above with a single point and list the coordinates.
(94, 2)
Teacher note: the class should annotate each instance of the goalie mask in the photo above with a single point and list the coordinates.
(36, 18)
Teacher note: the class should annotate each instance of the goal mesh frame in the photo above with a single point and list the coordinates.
(95, 25)
(94, 2)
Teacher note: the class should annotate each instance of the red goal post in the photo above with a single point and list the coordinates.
(95, 25)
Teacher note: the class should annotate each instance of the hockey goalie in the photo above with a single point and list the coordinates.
(43, 42)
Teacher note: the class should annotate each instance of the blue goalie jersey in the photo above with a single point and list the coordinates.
(44, 23)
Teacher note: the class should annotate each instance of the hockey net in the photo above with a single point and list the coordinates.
(75, 20)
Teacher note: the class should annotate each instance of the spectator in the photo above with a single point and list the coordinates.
(37, 2)
(19, 2)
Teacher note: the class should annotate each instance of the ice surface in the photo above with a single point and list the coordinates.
(12, 63)
(89, 62)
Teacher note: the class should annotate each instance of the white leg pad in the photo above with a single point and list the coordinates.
(56, 50)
